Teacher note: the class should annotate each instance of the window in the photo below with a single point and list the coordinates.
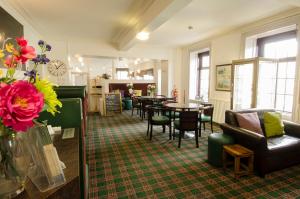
(276, 81)
(199, 75)
(122, 73)
(267, 81)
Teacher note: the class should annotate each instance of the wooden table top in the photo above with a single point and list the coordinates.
(153, 97)
(237, 150)
(184, 105)
(68, 152)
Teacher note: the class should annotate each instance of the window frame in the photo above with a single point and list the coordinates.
(200, 67)
(261, 42)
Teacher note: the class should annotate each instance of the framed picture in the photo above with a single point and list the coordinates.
(223, 77)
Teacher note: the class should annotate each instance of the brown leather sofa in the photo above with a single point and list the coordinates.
(269, 154)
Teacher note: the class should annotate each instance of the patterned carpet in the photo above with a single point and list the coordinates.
(125, 164)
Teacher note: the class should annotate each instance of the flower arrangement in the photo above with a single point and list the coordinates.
(130, 88)
(21, 101)
(151, 89)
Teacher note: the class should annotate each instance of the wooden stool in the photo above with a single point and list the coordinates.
(237, 151)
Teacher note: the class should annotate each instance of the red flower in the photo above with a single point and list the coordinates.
(21, 41)
(20, 103)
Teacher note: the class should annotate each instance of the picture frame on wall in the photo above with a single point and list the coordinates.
(223, 77)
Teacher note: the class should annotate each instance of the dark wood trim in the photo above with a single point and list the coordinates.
(273, 38)
(200, 67)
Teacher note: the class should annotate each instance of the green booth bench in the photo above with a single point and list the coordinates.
(72, 116)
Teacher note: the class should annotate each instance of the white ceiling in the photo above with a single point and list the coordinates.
(209, 17)
(73, 19)
(99, 20)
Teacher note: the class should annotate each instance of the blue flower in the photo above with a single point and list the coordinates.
(48, 47)
(31, 74)
(41, 43)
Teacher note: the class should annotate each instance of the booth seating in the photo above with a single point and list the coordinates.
(72, 116)
(75, 92)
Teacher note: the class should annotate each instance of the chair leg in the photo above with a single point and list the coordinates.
(151, 129)
(196, 137)
(211, 126)
(204, 126)
(164, 128)
(173, 133)
(148, 128)
(132, 111)
(179, 141)
(200, 129)
(170, 132)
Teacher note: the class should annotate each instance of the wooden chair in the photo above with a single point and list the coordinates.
(145, 104)
(136, 104)
(207, 117)
(188, 121)
(158, 120)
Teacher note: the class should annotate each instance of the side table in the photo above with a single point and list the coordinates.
(237, 152)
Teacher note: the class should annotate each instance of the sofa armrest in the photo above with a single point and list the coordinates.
(249, 139)
(292, 128)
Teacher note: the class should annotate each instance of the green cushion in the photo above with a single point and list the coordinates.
(160, 120)
(176, 123)
(273, 124)
(205, 118)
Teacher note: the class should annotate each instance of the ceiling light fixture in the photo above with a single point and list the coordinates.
(143, 36)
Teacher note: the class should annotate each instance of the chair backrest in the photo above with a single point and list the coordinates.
(146, 102)
(69, 116)
(188, 120)
(209, 111)
(135, 101)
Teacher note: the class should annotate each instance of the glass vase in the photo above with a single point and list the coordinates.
(14, 163)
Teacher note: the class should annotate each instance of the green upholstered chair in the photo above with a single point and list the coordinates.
(188, 121)
(207, 117)
(158, 120)
(215, 147)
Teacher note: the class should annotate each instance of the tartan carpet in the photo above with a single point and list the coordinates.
(123, 163)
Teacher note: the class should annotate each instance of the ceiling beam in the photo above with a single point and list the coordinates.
(147, 15)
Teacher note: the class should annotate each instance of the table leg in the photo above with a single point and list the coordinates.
(224, 157)
(250, 164)
(237, 162)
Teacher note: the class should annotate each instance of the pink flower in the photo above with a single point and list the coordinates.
(20, 103)
(26, 52)
(11, 61)
(21, 41)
